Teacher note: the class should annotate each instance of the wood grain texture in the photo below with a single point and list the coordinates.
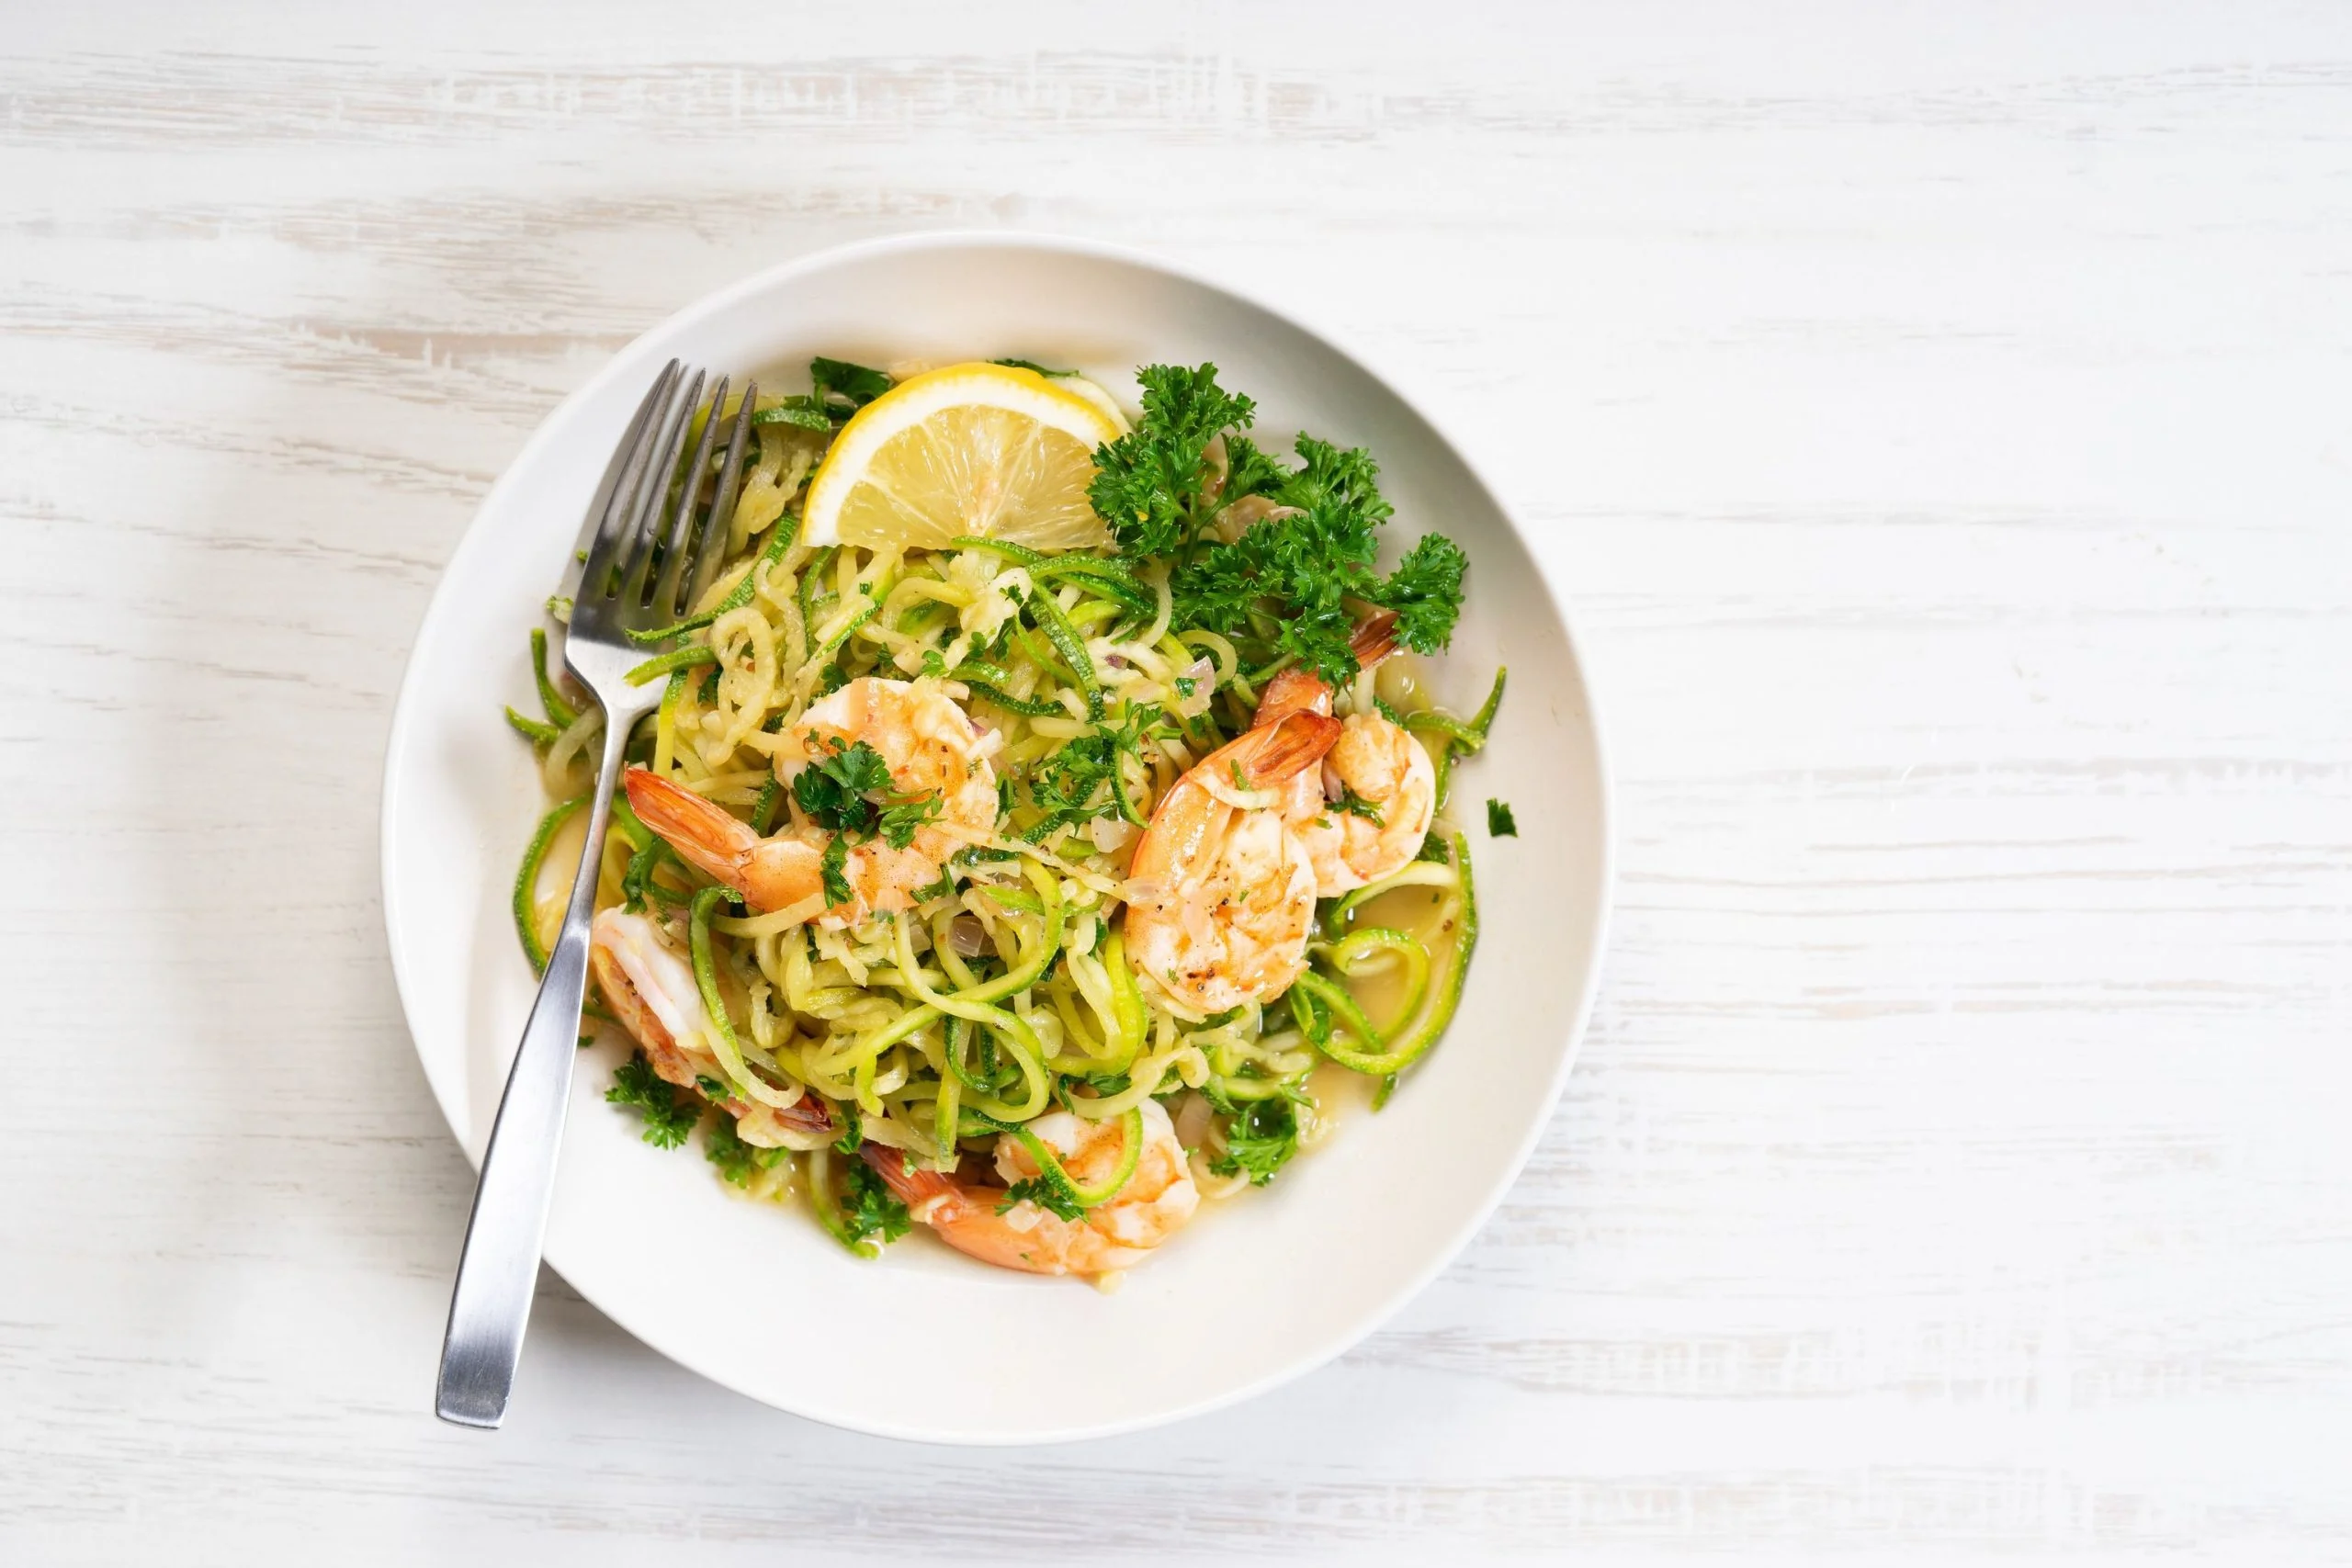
(1937, 419)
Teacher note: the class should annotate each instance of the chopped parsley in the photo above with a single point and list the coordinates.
(1080, 782)
(839, 390)
(835, 868)
(670, 1112)
(1148, 483)
(870, 1209)
(900, 819)
(1500, 823)
(736, 1159)
(1353, 805)
(832, 789)
(1434, 849)
(853, 1129)
(1289, 585)
(843, 388)
(837, 790)
(1032, 364)
(1049, 1196)
(712, 1089)
(1260, 1140)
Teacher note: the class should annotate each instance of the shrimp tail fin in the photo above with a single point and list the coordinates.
(1375, 638)
(1300, 689)
(1290, 747)
(921, 1189)
(1294, 690)
(703, 833)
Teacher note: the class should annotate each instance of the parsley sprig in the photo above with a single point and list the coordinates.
(1290, 586)
(670, 1112)
(846, 788)
(1260, 1139)
(869, 1209)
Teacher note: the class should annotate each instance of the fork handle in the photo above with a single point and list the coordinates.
(500, 1266)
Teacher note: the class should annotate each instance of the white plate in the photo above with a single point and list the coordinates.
(1262, 1289)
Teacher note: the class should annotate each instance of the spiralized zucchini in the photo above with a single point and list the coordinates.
(1006, 992)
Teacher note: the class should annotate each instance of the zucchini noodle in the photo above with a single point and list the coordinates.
(1001, 988)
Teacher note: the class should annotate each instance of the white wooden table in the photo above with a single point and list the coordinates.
(1937, 416)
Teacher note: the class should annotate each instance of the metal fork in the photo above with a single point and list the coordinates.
(633, 576)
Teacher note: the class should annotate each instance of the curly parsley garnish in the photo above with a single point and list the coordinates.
(1260, 1140)
(1049, 1196)
(900, 819)
(1500, 823)
(833, 787)
(870, 1209)
(670, 1111)
(736, 1159)
(1289, 584)
(835, 868)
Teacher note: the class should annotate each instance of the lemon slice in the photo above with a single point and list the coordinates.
(984, 449)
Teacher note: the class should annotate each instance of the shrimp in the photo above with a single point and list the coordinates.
(1157, 1200)
(1221, 893)
(650, 988)
(932, 749)
(1375, 766)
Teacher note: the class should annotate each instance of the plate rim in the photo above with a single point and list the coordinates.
(400, 740)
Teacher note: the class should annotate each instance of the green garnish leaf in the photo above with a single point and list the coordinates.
(853, 1129)
(833, 789)
(843, 385)
(1048, 1195)
(870, 1209)
(737, 1159)
(1260, 1140)
(835, 869)
(1032, 364)
(1293, 584)
(1426, 592)
(1148, 483)
(1433, 850)
(670, 1113)
(1353, 805)
(1080, 782)
(1500, 823)
(900, 819)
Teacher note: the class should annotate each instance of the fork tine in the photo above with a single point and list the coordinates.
(611, 490)
(595, 575)
(636, 561)
(673, 554)
(712, 547)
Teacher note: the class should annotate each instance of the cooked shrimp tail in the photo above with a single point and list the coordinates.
(1157, 1199)
(1268, 756)
(705, 835)
(772, 874)
(1298, 690)
(650, 986)
(1375, 638)
(1221, 893)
